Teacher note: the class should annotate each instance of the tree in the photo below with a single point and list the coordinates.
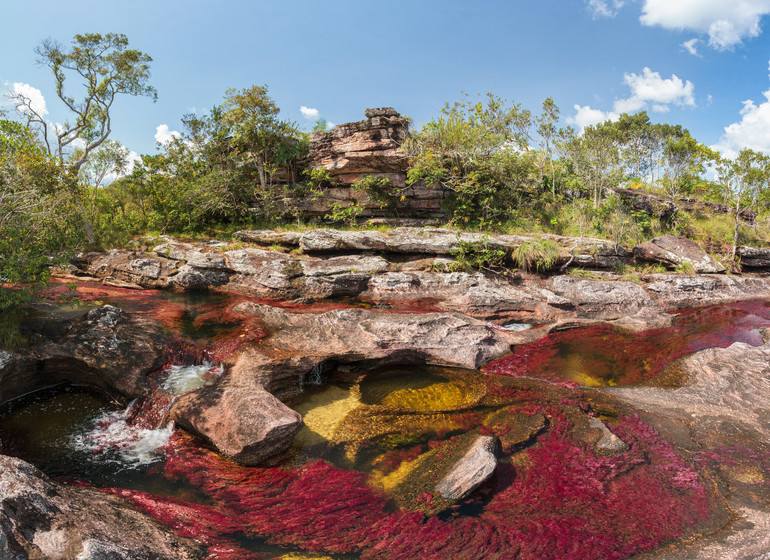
(102, 67)
(35, 229)
(251, 117)
(595, 159)
(744, 180)
(683, 159)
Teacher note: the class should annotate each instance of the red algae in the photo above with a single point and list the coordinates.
(563, 502)
(604, 355)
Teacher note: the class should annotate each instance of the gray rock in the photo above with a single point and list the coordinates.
(754, 257)
(675, 250)
(475, 467)
(608, 443)
(269, 237)
(343, 265)
(42, 519)
(603, 300)
(190, 277)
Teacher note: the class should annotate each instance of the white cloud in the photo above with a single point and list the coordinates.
(163, 135)
(691, 46)
(604, 8)
(752, 131)
(648, 90)
(309, 112)
(726, 23)
(585, 116)
(330, 125)
(33, 96)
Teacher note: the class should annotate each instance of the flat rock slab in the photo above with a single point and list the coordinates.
(44, 520)
(243, 421)
(351, 335)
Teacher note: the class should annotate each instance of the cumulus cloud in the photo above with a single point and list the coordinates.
(648, 90)
(163, 135)
(309, 112)
(691, 46)
(752, 131)
(32, 97)
(330, 125)
(604, 8)
(726, 23)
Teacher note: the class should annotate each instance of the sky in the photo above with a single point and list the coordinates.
(704, 64)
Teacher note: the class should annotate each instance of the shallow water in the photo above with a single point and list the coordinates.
(352, 482)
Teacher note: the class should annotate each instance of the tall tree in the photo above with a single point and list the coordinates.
(99, 68)
(744, 180)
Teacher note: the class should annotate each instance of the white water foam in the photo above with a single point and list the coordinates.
(121, 442)
(182, 379)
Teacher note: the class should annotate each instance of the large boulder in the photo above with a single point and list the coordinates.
(675, 250)
(106, 348)
(603, 300)
(241, 419)
(41, 519)
(754, 257)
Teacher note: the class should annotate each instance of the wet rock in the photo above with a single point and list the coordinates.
(242, 420)
(516, 428)
(45, 520)
(675, 250)
(420, 484)
(645, 320)
(472, 470)
(608, 443)
(106, 348)
(337, 285)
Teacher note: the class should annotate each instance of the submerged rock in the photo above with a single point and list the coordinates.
(475, 467)
(106, 348)
(45, 520)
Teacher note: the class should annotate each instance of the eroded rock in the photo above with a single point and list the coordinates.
(242, 420)
(675, 250)
(471, 471)
(45, 520)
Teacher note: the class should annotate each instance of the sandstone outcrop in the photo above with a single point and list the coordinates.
(472, 470)
(355, 150)
(42, 519)
(675, 250)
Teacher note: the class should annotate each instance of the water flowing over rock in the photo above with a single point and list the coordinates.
(42, 519)
(674, 250)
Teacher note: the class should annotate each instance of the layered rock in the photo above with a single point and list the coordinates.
(353, 151)
(42, 519)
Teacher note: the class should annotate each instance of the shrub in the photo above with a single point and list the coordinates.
(540, 255)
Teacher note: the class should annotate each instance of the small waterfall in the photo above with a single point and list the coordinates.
(137, 435)
(314, 377)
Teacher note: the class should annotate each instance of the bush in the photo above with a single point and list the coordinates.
(540, 255)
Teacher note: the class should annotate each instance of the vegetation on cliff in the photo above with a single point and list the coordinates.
(498, 166)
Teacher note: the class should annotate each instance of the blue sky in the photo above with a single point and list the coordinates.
(700, 63)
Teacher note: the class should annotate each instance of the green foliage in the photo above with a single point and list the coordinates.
(539, 255)
(583, 274)
(482, 255)
(345, 213)
(685, 268)
(379, 190)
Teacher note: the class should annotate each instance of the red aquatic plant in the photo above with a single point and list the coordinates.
(564, 502)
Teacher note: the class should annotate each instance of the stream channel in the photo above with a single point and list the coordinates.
(358, 480)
